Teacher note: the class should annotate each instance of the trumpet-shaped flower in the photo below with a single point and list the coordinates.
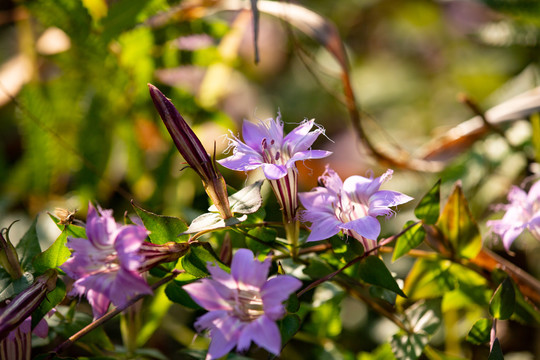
(243, 305)
(106, 265)
(351, 206)
(265, 147)
(523, 212)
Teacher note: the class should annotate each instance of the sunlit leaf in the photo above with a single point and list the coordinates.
(429, 207)
(162, 228)
(212, 221)
(177, 294)
(408, 347)
(54, 256)
(373, 271)
(409, 240)
(424, 316)
(480, 332)
(503, 303)
(11, 288)
(458, 226)
(429, 279)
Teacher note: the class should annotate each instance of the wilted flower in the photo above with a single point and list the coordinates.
(523, 212)
(351, 206)
(243, 305)
(106, 265)
(24, 304)
(265, 146)
(190, 147)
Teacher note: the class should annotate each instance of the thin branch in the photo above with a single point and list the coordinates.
(108, 316)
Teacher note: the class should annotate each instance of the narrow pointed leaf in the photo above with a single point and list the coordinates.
(480, 332)
(429, 279)
(496, 351)
(458, 227)
(28, 247)
(409, 240)
(373, 271)
(162, 228)
(246, 201)
(503, 303)
(429, 207)
(288, 327)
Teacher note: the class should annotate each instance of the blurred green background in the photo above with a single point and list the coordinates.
(77, 123)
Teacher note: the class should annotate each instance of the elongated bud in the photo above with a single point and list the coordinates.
(24, 304)
(192, 150)
(9, 259)
(155, 254)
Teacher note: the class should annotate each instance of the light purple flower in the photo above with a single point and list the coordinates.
(105, 266)
(243, 305)
(351, 206)
(265, 146)
(17, 345)
(523, 212)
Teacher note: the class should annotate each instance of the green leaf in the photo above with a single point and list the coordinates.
(289, 326)
(51, 300)
(11, 288)
(429, 207)
(373, 271)
(381, 293)
(54, 256)
(28, 247)
(408, 347)
(480, 332)
(265, 236)
(122, 15)
(196, 259)
(246, 201)
(429, 279)
(524, 312)
(409, 240)
(162, 228)
(458, 226)
(177, 294)
(212, 221)
(496, 352)
(503, 302)
(425, 316)
(383, 352)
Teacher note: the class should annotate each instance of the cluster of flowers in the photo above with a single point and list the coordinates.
(243, 305)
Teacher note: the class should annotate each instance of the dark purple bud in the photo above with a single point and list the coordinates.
(193, 151)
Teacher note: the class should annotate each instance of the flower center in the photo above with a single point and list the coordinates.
(249, 305)
(271, 152)
(347, 210)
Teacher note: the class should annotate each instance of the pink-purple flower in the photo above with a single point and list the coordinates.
(351, 206)
(243, 305)
(105, 266)
(523, 212)
(265, 147)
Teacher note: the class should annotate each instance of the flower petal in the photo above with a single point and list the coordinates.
(366, 226)
(380, 202)
(273, 171)
(210, 294)
(265, 333)
(250, 274)
(275, 291)
(308, 154)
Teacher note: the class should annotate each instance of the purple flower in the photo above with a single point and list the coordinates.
(351, 206)
(17, 345)
(106, 265)
(523, 212)
(243, 305)
(265, 146)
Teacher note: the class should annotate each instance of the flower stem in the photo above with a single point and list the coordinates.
(292, 232)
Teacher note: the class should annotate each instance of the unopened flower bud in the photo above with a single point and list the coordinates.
(9, 259)
(24, 304)
(155, 254)
(192, 150)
